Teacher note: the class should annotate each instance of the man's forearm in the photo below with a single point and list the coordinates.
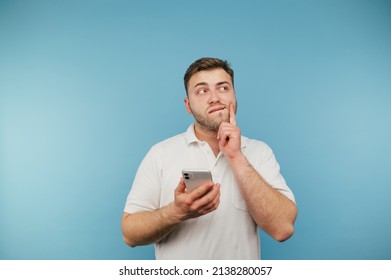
(271, 210)
(147, 227)
(151, 226)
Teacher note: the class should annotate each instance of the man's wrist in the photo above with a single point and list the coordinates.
(170, 214)
(238, 159)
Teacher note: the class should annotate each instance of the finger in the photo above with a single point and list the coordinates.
(201, 190)
(208, 197)
(210, 207)
(226, 132)
(232, 116)
(212, 203)
(181, 187)
(219, 132)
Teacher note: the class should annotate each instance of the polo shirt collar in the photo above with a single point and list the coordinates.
(192, 138)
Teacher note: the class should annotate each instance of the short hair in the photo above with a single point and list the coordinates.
(204, 64)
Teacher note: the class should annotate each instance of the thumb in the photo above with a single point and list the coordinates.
(181, 187)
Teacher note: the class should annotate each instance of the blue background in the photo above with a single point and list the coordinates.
(86, 87)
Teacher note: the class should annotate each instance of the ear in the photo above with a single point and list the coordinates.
(187, 104)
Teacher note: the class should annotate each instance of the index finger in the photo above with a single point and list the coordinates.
(232, 116)
(202, 190)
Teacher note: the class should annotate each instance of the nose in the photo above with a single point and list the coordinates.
(213, 97)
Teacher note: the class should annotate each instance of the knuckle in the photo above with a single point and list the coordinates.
(188, 201)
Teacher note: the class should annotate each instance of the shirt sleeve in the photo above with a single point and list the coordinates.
(145, 192)
(269, 169)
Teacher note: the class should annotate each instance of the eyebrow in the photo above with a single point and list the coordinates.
(222, 83)
(200, 84)
(205, 84)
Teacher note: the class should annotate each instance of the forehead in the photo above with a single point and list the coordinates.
(210, 77)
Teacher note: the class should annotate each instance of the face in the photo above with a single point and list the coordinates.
(209, 95)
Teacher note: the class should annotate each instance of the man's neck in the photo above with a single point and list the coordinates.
(209, 136)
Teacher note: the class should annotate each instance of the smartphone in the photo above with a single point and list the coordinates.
(196, 177)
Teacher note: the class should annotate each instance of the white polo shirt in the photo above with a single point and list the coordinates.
(226, 233)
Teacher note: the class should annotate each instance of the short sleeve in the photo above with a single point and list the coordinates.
(145, 192)
(269, 169)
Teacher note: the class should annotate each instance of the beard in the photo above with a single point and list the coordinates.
(211, 123)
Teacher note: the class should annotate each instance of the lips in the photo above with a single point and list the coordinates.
(216, 109)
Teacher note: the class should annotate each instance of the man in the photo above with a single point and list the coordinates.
(219, 219)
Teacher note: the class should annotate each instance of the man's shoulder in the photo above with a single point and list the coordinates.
(171, 142)
(254, 143)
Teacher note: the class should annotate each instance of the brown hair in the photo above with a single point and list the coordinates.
(207, 63)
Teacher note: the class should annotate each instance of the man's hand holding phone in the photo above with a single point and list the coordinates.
(200, 201)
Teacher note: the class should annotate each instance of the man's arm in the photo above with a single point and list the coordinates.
(146, 227)
(271, 210)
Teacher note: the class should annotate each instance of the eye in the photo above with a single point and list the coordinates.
(223, 88)
(201, 91)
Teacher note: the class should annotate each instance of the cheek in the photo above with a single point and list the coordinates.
(230, 99)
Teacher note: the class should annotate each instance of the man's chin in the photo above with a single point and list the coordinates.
(214, 126)
(211, 124)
